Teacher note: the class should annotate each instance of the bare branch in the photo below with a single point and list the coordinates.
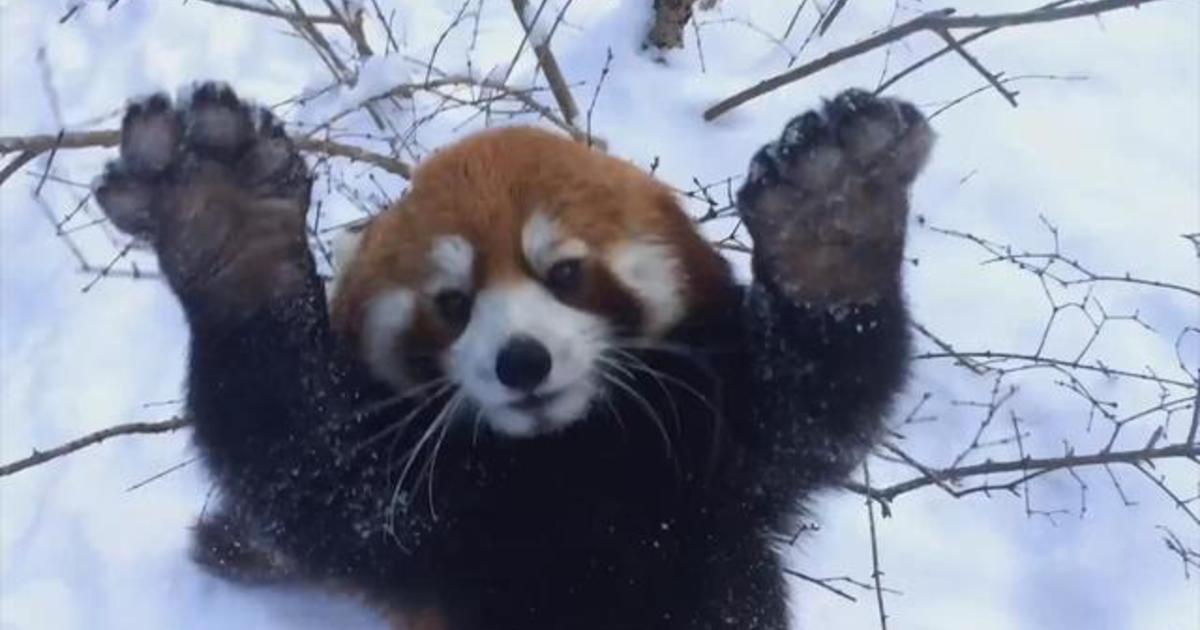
(549, 65)
(992, 78)
(1191, 435)
(16, 163)
(1032, 466)
(353, 25)
(70, 140)
(962, 42)
(967, 362)
(935, 21)
(356, 153)
(38, 144)
(827, 20)
(876, 574)
(133, 428)
(271, 12)
(821, 582)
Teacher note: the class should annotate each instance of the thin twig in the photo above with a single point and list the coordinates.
(550, 69)
(917, 65)
(974, 366)
(133, 428)
(271, 12)
(1035, 466)
(876, 574)
(831, 15)
(16, 163)
(162, 473)
(353, 25)
(358, 154)
(992, 78)
(941, 20)
(822, 583)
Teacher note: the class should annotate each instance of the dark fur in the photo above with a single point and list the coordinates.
(603, 526)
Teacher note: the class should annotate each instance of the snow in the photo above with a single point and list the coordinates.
(1113, 161)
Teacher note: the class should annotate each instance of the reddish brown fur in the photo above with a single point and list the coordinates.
(486, 187)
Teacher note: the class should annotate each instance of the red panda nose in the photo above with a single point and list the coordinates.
(523, 363)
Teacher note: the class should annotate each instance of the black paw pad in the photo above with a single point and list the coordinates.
(208, 136)
(806, 130)
(828, 200)
(271, 166)
(856, 134)
(126, 199)
(216, 122)
(150, 134)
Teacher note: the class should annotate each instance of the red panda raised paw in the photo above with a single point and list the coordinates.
(827, 202)
(218, 189)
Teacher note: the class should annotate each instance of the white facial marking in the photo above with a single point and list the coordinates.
(575, 339)
(654, 275)
(388, 315)
(452, 260)
(543, 243)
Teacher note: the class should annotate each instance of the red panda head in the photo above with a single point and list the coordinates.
(517, 260)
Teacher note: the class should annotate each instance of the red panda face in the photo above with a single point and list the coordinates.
(518, 262)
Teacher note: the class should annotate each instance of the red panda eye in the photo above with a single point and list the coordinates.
(454, 306)
(565, 276)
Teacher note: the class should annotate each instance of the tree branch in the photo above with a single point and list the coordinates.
(271, 12)
(962, 42)
(38, 144)
(133, 428)
(992, 78)
(1032, 466)
(553, 74)
(935, 21)
(876, 573)
(356, 153)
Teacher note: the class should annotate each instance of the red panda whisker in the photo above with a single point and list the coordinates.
(450, 388)
(684, 352)
(649, 409)
(612, 411)
(416, 450)
(431, 467)
(475, 429)
(617, 365)
(627, 362)
(674, 380)
(400, 426)
(402, 423)
(412, 392)
(637, 363)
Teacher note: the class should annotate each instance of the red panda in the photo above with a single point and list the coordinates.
(536, 399)
(514, 258)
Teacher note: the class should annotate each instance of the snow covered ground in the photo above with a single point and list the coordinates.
(1113, 161)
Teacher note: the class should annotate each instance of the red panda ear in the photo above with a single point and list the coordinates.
(707, 276)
